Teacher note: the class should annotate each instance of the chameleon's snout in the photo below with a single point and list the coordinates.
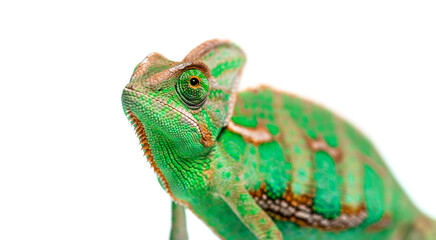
(133, 86)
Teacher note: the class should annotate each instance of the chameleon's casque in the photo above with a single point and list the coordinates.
(260, 163)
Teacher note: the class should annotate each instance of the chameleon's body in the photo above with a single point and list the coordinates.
(261, 163)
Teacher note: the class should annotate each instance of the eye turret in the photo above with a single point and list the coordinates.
(193, 88)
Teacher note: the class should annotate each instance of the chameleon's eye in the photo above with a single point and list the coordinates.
(194, 82)
(192, 87)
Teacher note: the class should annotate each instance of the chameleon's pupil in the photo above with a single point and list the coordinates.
(194, 81)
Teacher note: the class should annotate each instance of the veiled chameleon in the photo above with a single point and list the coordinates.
(260, 163)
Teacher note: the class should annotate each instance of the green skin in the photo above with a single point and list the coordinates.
(260, 164)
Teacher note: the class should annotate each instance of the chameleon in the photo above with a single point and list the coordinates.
(260, 163)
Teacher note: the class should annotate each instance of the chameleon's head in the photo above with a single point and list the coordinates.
(182, 106)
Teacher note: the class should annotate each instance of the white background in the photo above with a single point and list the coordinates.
(71, 166)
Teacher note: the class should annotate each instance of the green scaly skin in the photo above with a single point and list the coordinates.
(260, 163)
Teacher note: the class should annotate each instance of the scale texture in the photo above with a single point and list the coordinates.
(262, 163)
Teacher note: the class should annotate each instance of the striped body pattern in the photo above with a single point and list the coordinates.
(260, 164)
(314, 170)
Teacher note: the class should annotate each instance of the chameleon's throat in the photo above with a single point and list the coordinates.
(145, 146)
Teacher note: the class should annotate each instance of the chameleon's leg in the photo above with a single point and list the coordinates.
(178, 223)
(251, 214)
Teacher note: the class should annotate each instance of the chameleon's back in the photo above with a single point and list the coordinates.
(315, 174)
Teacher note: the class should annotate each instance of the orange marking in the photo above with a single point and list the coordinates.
(206, 137)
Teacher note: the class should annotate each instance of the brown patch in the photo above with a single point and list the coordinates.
(353, 210)
(381, 224)
(255, 136)
(206, 135)
(296, 200)
(260, 191)
(320, 144)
